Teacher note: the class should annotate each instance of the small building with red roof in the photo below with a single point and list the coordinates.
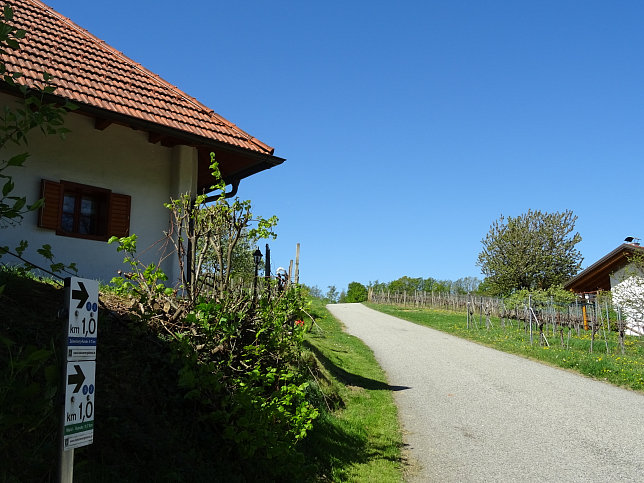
(135, 141)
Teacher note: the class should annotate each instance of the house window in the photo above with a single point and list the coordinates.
(82, 211)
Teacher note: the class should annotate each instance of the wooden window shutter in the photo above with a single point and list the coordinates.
(49, 212)
(119, 216)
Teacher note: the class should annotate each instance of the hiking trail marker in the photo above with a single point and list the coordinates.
(79, 373)
(79, 404)
(82, 304)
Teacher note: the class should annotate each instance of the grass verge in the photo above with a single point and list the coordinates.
(358, 437)
(568, 350)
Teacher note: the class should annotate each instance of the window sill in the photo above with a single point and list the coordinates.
(102, 238)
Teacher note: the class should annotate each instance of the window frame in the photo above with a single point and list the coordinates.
(80, 191)
(113, 217)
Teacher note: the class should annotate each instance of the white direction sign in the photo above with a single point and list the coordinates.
(82, 301)
(79, 404)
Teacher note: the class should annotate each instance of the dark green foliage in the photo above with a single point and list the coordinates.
(411, 285)
(356, 292)
(244, 367)
(237, 356)
(29, 377)
(534, 250)
(222, 400)
(164, 414)
(168, 408)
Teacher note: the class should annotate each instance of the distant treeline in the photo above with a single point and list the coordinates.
(356, 292)
(411, 285)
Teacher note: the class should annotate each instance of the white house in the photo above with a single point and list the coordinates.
(135, 142)
(618, 273)
(628, 294)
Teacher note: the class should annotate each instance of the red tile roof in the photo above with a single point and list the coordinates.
(89, 72)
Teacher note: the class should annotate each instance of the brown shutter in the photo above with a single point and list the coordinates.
(119, 217)
(49, 212)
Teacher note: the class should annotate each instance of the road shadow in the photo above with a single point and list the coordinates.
(348, 378)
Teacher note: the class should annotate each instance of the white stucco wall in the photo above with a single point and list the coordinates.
(117, 158)
(627, 287)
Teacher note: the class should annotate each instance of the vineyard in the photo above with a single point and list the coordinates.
(545, 322)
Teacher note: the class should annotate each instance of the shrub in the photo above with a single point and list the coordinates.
(356, 292)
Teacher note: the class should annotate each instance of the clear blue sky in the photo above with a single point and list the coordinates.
(409, 127)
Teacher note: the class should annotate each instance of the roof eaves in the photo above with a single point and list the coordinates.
(181, 135)
(256, 168)
(230, 133)
(624, 247)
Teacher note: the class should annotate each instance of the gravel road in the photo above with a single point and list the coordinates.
(471, 413)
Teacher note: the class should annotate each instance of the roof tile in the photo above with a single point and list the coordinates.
(89, 71)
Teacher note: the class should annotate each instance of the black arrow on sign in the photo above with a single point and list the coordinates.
(80, 295)
(78, 378)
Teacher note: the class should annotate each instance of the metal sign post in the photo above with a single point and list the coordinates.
(77, 425)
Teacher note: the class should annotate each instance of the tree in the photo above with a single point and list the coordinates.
(356, 292)
(212, 242)
(534, 250)
(406, 284)
(332, 294)
(314, 291)
(465, 285)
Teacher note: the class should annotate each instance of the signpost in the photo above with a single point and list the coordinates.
(81, 305)
(79, 404)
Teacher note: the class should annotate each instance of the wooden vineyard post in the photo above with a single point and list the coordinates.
(598, 313)
(620, 326)
(592, 328)
(481, 312)
(552, 317)
(530, 315)
(297, 264)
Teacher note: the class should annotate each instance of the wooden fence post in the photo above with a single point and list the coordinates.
(297, 264)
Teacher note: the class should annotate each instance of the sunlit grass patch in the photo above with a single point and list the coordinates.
(358, 438)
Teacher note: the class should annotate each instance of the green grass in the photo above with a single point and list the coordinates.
(625, 370)
(358, 438)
